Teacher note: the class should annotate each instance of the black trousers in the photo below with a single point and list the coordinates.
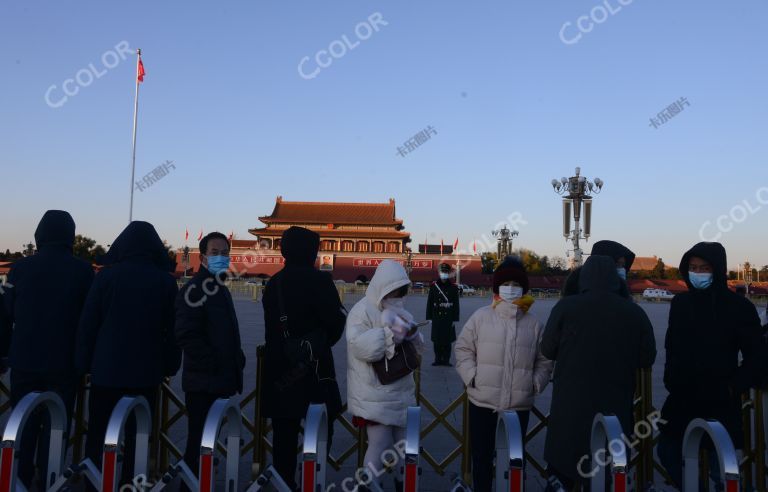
(482, 435)
(442, 353)
(285, 439)
(197, 405)
(36, 434)
(101, 402)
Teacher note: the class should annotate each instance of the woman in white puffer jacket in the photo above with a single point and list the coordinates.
(375, 325)
(498, 358)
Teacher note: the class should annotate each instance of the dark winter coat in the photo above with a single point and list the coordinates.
(208, 332)
(44, 298)
(125, 338)
(707, 330)
(598, 340)
(603, 248)
(443, 317)
(5, 331)
(314, 312)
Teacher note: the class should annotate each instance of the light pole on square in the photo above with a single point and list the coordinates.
(576, 193)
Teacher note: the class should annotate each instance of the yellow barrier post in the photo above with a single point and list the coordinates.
(259, 452)
(748, 451)
(162, 457)
(466, 454)
(80, 424)
(760, 438)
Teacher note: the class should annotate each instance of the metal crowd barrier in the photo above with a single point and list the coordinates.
(171, 412)
(726, 454)
(115, 437)
(607, 429)
(222, 410)
(411, 469)
(315, 452)
(269, 479)
(510, 454)
(14, 430)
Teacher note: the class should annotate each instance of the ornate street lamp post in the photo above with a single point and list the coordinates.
(408, 254)
(29, 249)
(185, 259)
(504, 242)
(747, 275)
(575, 191)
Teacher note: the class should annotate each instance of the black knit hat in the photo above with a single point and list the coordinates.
(510, 269)
(444, 267)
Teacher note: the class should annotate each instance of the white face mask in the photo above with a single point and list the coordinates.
(510, 292)
(393, 303)
(444, 276)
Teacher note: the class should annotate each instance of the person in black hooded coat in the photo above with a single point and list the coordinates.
(43, 298)
(314, 313)
(709, 326)
(125, 339)
(623, 256)
(5, 332)
(598, 340)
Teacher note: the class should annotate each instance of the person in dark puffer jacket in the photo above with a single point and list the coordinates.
(709, 327)
(43, 298)
(125, 339)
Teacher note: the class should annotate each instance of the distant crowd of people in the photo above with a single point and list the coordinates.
(129, 326)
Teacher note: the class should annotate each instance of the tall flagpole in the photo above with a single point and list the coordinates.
(135, 119)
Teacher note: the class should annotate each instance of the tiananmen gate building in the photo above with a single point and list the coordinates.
(354, 239)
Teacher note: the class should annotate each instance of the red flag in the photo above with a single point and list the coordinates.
(231, 235)
(441, 246)
(200, 236)
(456, 244)
(474, 247)
(186, 234)
(140, 71)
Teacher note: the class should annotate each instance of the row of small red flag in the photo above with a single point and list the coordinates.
(200, 236)
(455, 245)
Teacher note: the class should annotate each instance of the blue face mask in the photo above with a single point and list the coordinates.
(622, 273)
(700, 280)
(218, 264)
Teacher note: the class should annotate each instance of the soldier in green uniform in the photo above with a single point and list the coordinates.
(443, 310)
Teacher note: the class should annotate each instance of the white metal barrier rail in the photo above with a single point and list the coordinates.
(270, 480)
(726, 454)
(12, 434)
(315, 451)
(411, 470)
(510, 454)
(607, 437)
(115, 437)
(222, 410)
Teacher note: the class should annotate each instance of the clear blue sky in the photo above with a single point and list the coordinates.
(513, 107)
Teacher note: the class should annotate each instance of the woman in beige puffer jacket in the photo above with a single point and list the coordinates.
(498, 358)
